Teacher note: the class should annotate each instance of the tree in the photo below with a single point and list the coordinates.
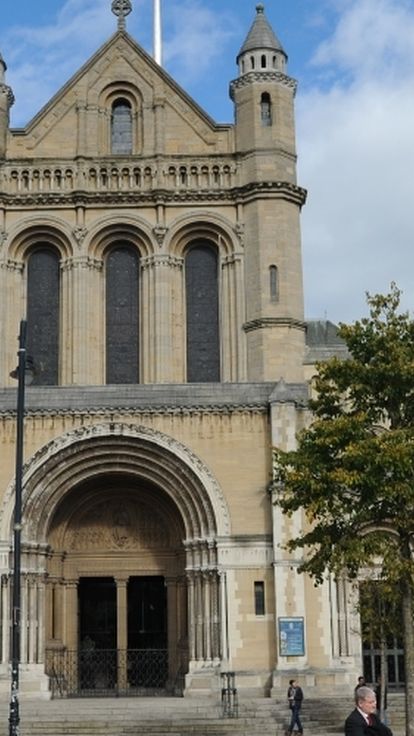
(352, 473)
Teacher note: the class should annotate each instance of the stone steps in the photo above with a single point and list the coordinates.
(180, 717)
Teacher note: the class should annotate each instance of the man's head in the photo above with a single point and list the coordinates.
(292, 683)
(361, 680)
(366, 700)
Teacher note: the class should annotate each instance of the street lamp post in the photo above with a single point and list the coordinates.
(20, 374)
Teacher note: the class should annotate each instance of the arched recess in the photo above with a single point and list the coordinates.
(122, 473)
(219, 234)
(117, 96)
(36, 239)
(120, 248)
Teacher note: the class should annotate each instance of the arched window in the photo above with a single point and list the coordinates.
(252, 64)
(121, 127)
(274, 283)
(122, 318)
(266, 109)
(263, 61)
(203, 347)
(43, 314)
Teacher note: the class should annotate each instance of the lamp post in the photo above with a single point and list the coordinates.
(22, 374)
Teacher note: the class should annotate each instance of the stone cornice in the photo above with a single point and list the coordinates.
(159, 411)
(266, 322)
(262, 77)
(137, 399)
(249, 192)
(8, 92)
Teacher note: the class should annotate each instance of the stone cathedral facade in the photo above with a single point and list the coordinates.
(156, 256)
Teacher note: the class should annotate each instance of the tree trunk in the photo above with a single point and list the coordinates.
(407, 612)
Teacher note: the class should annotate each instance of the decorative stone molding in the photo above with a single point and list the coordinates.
(239, 229)
(49, 476)
(160, 233)
(11, 265)
(80, 233)
(263, 77)
(266, 322)
(7, 91)
(91, 264)
(159, 261)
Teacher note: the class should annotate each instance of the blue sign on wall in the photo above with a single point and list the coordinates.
(291, 637)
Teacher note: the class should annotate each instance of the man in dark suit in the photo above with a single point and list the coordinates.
(363, 721)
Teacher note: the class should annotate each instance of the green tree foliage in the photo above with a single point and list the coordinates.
(352, 473)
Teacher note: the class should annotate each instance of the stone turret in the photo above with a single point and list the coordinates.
(6, 101)
(263, 96)
(262, 49)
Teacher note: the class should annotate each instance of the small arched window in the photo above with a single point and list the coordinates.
(43, 279)
(121, 127)
(252, 64)
(122, 338)
(203, 345)
(274, 283)
(266, 109)
(264, 61)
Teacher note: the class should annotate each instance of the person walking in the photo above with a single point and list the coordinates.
(295, 699)
(363, 720)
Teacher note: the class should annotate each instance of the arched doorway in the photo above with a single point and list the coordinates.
(116, 590)
(116, 513)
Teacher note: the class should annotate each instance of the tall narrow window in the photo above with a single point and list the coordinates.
(203, 351)
(122, 339)
(121, 127)
(266, 109)
(259, 598)
(43, 314)
(274, 283)
(263, 61)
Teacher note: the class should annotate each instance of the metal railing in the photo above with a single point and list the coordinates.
(229, 696)
(106, 672)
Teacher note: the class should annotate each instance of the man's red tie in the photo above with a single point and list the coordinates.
(370, 720)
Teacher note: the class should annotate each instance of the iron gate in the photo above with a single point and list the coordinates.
(106, 672)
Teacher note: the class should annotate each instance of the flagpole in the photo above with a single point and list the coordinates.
(157, 32)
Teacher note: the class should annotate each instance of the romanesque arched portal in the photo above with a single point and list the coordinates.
(120, 530)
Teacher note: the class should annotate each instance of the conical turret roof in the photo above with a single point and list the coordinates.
(261, 35)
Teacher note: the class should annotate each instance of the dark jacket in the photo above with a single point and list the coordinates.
(295, 695)
(356, 725)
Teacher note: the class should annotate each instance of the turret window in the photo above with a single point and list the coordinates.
(266, 109)
(264, 61)
(274, 283)
(121, 127)
(252, 64)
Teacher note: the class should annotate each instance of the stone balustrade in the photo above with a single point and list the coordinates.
(112, 176)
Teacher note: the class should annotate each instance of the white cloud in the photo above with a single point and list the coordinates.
(196, 36)
(357, 159)
(40, 59)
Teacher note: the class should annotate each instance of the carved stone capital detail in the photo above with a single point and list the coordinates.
(80, 233)
(160, 233)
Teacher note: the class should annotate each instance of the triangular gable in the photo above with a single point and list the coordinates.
(118, 60)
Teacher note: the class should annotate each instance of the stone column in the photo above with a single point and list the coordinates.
(83, 316)
(233, 338)
(71, 634)
(157, 324)
(172, 628)
(122, 630)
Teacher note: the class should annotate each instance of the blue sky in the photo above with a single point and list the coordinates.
(354, 60)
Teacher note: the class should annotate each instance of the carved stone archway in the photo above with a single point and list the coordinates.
(123, 472)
